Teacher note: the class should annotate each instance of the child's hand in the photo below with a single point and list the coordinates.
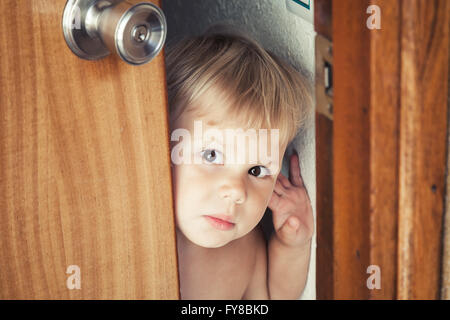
(291, 208)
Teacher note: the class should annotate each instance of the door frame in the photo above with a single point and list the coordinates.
(382, 154)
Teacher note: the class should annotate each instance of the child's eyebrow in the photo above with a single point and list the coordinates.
(212, 123)
(268, 164)
(214, 140)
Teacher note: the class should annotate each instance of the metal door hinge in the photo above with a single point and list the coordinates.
(324, 76)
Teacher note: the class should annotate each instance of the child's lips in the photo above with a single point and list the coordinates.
(224, 217)
(221, 222)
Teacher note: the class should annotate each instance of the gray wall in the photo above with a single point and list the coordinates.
(278, 30)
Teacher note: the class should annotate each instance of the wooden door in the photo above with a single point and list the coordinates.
(381, 155)
(84, 167)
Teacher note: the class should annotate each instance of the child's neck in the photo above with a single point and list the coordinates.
(185, 245)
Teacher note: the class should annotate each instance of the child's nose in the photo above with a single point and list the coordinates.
(233, 190)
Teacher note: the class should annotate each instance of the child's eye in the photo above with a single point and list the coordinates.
(212, 156)
(256, 171)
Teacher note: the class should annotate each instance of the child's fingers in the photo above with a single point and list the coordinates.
(279, 189)
(293, 222)
(284, 181)
(274, 201)
(295, 176)
(288, 230)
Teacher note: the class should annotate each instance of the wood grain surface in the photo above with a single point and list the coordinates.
(422, 153)
(388, 149)
(351, 150)
(324, 174)
(384, 146)
(445, 287)
(84, 167)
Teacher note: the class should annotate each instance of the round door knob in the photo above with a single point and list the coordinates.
(93, 29)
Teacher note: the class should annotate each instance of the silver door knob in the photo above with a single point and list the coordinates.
(93, 29)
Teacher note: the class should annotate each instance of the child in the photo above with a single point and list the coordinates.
(226, 80)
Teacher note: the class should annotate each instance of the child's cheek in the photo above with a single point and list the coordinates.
(261, 198)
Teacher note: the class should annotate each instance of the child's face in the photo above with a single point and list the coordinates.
(240, 191)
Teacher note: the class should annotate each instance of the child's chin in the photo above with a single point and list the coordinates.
(208, 243)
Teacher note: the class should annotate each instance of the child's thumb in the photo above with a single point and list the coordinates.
(293, 222)
(290, 227)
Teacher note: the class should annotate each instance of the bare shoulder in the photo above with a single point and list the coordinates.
(257, 286)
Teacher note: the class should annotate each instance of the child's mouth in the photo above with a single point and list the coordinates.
(219, 223)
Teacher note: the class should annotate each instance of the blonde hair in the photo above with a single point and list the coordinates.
(259, 89)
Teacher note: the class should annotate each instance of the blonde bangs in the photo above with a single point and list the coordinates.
(257, 89)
